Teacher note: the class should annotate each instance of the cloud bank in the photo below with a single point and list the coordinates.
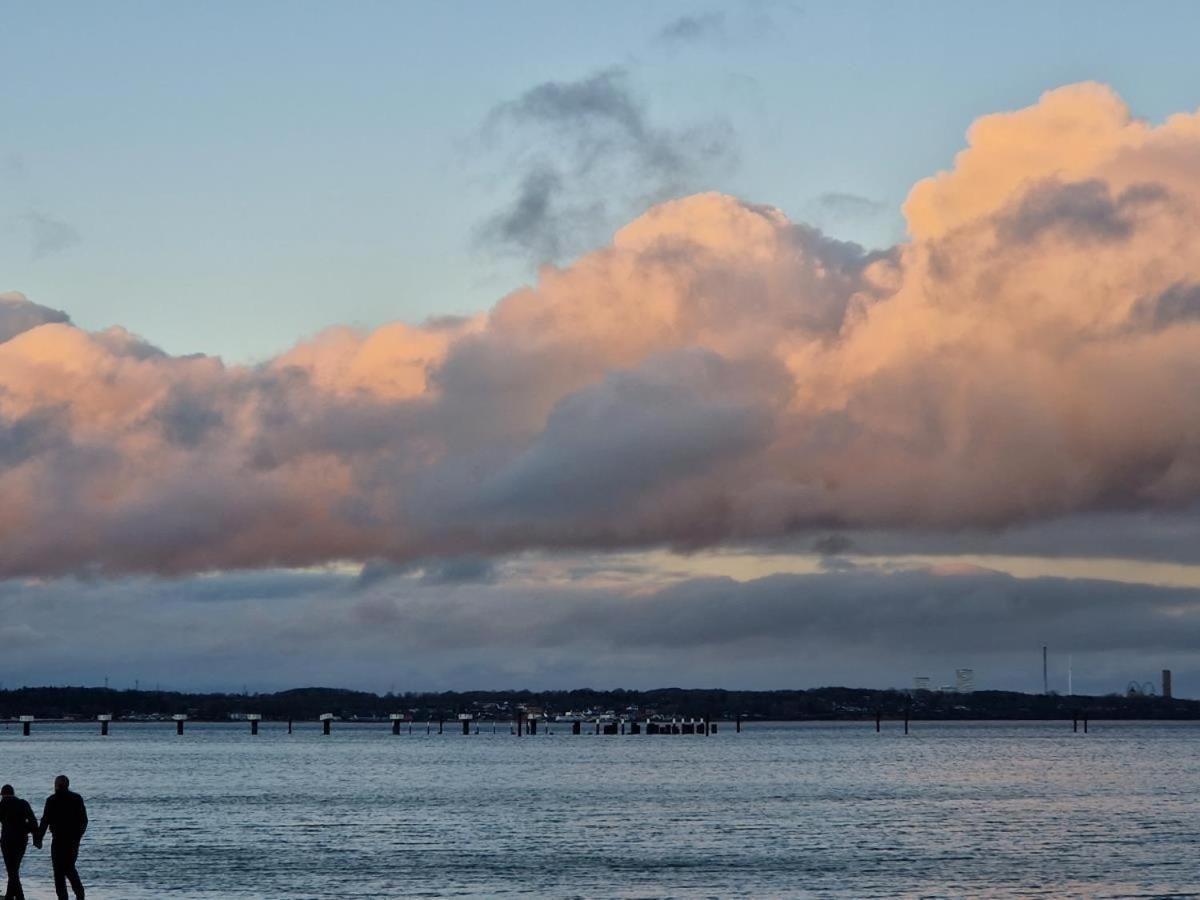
(717, 373)
(859, 627)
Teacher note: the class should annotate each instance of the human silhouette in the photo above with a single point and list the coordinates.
(16, 825)
(65, 817)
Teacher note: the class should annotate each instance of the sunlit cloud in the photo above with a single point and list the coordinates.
(715, 376)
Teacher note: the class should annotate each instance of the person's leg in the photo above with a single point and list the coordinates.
(58, 851)
(72, 873)
(13, 854)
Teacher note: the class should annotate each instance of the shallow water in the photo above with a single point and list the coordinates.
(820, 810)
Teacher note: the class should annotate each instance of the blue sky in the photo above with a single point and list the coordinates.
(229, 177)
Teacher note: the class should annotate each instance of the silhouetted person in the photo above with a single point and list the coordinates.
(66, 818)
(16, 825)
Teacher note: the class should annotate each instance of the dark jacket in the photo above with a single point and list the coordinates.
(64, 816)
(16, 821)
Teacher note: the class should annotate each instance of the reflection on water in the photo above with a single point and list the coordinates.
(952, 810)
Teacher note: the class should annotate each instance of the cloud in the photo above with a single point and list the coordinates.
(586, 151)
(840, 205)
(18, 314)
(49, 235)
(1019, 370)
(864, 627)
(698, 26)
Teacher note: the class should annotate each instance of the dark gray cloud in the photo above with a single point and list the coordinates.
(586, 153)
(865, 627)
(49, 235)
(1082, 210)
(695, 27)
(843, 206)
(1178, 303)
(18, 315)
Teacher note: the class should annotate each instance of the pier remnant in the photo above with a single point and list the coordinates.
(396, 717)
(326, 722)
(465, 718)
(25, 721)
(104, 719)
(179, 718)
(254, 718)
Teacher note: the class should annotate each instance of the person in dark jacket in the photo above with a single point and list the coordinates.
(65, 817)
(16, 825)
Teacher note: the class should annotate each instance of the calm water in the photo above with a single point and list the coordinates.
(952, 810)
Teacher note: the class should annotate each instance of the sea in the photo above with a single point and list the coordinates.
(970, 809)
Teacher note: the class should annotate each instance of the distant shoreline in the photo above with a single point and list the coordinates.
(826, 704)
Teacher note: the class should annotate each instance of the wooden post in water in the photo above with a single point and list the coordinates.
(1085, 723)
(597, 727)
(395, 717)
(878, 721)
(441, 725)
(104, 720)
(738, 727)
(326, 722)
(532, 725)
(465, 718)
(179, 718)
(289, 724)
(1075, 724)
(26, 721)
(906, 712)
(576, 727)
(254, 720)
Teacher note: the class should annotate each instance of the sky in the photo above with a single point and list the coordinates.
(408, 346)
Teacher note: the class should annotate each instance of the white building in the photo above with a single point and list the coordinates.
(964, 680)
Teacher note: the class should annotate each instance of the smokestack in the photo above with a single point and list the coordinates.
(1045, 672)
(1166, 685)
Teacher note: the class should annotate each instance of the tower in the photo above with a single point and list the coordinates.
(1166, 684)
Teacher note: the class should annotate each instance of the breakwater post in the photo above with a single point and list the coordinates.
(441, 726)
(1085, 723)
(289, 725)
(179, 718)
(26, 721)
(326, 722)
(738, 726)
(878, 721)
(254, 718)
(1075, 723)
(907, 712)
(395, 717)
(104, 720)
(465, 718)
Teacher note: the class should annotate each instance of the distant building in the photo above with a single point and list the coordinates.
(921, 683)
(964, 680)
(1166, 685)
